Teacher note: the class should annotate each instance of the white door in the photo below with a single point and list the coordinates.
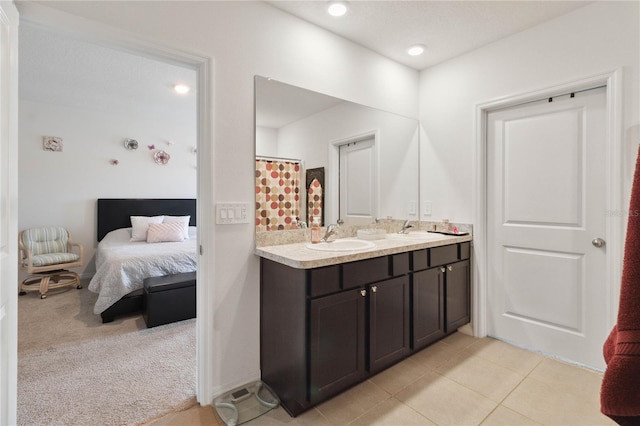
(546, 204)
(8, 211)
(358, 182)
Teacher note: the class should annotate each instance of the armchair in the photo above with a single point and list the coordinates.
(46, 254)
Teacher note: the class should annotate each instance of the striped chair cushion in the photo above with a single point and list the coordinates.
(52, 239)
(54, 258)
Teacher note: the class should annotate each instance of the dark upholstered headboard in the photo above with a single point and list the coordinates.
(114, 213)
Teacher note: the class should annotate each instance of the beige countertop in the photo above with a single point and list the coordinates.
(298, 256)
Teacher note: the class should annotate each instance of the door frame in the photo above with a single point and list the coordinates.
(613, 163)
(204, 66)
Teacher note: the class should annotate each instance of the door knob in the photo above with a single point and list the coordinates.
(374, 288)
(598, 242)
(363, 292)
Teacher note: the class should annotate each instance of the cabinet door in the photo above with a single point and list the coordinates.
(388, 322)
(428, 307)
(458, 305)
(337, 339)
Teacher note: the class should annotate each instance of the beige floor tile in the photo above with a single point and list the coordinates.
(459, 341)
(580, 381)
(445, 402)
(196, 415)
(399, 376)
(502, 416)
(350, 405)
(434, 356)
(508, 356)
(485, 377)
(392, 413)
(550, 404)
(280, 417)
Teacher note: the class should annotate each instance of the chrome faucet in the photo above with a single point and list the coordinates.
(331, 231)
(405, 227)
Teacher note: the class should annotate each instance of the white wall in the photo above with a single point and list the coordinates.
(61, 188)
(597, 38)
(397, 145)
(247, 39)
(266, 141)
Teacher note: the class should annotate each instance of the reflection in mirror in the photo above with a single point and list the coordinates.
(315, 195)
(371, 154)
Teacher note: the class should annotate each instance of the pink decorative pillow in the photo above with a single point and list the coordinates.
(181, 219)
(140, 225)
(165, 232)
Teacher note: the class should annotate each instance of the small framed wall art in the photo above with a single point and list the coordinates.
(51, 143)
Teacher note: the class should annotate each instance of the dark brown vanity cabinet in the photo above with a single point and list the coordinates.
(428, 307)
(325, 329)
(441, 292)
(337, 343)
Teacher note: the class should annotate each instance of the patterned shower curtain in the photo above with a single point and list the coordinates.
(277, 194)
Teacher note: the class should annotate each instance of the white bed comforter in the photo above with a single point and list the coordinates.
(121, 265)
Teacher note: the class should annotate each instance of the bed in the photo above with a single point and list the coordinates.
(122, 265)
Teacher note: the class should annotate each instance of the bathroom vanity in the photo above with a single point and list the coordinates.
(329, 320)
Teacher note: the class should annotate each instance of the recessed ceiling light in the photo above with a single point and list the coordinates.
(181, 88)
(337, 8)
(416, 50)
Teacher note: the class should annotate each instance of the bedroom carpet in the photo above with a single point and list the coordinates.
(74, 370)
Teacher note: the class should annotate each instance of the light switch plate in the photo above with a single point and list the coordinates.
(232, 213)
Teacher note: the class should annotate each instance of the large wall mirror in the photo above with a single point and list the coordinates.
(326, 159)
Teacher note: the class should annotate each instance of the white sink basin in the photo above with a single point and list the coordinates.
(342, 245)
(416, 235)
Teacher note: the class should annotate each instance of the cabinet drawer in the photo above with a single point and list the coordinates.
(465, 250)
(324, 280)
(443, 255)
(420, 260)
(367, 271)
(399, 264)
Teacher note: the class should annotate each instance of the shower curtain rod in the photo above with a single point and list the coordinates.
(265, 157)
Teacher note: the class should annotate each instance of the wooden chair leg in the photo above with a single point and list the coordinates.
(44, 286)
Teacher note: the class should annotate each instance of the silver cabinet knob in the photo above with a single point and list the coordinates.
(374, 288)
(598, 242)
(442, 269)
(363, 292)
(449, 268)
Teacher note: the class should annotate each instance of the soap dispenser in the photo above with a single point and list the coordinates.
(316, 232)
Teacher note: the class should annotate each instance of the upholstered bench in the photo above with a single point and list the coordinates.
(169, 298)
(129, 304)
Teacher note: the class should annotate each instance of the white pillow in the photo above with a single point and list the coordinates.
(165, 232)
(180, 219)
(140, 224)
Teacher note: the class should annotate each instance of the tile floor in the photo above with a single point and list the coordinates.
(460, 380)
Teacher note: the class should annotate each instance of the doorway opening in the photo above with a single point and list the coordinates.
(192, 152)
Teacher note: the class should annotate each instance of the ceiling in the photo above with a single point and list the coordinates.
(56, 69)
(65, 71)
(446, 28)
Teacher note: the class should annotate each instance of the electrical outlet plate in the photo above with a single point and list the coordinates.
(426, 208)
(232, 213)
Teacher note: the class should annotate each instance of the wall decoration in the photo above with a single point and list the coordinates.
(52, 143)
(161, 157)
(151, 147)
(315, 194)
(131, 144)
(277, 194)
